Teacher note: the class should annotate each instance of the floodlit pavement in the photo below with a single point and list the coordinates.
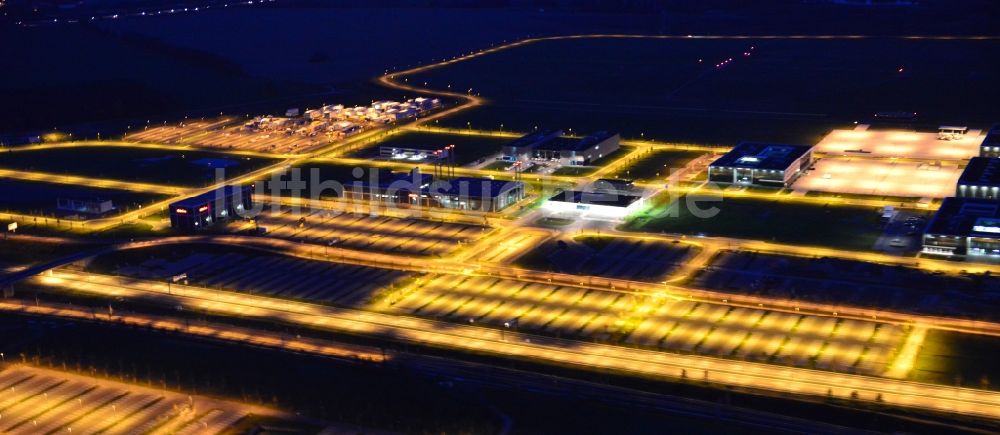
(655, 322)
(881, 178)
(358, 231)
(898, 143)
(41, 401)
(569, 352)
(674, 321)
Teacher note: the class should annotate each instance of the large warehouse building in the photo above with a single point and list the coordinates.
(594, 205)
(200, 212)
(981, 179)
(965, 227)
(415, 188)
(761, 164)
(552, 145)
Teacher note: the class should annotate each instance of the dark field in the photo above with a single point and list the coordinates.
(175, 168)
(783, 91)
(952, 358)
(845, 227)
(35, 198)
(656, 164)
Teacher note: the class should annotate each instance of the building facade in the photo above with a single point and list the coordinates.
(551, 145)
(87, 206)
(991, 143)
(964, 228)
(203, 211)
(415, 188)
(980, 179)
(594, 205)
(761, 164)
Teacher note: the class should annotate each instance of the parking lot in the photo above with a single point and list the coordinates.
(659, 323)
(367, 232)
(880, 177)
(848, 282)
(269, 274)
(635, 259)
(38, 401)
(226, 136)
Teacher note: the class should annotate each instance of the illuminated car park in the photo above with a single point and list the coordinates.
(513, 245)
(618, 257)
(43, 401)
(849, 282)
(217, 135)
(661, 323)
(269, 274)
(900, 144)
(363, 231)
(880, 177)
(174, 133)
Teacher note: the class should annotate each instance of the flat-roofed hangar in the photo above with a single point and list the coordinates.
(753, 163)
(553, 145)
(200, 212)
(605, 199)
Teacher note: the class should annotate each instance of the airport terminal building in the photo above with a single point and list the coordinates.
(981, 179)
(965, 228)
(751, 163)
(202, 211)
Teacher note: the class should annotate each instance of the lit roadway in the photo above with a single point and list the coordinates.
(658, 365)
(460, 263)
(78, 180)
(143, 145)
(488, 257)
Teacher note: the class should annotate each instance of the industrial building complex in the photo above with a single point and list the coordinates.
(761, 164)
(416, 188)
(964, 227)
(552, 145)
(417, 269)
(202, 211)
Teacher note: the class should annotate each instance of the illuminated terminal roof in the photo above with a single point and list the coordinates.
(981, 171)
(962, 217)
(753, 155)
